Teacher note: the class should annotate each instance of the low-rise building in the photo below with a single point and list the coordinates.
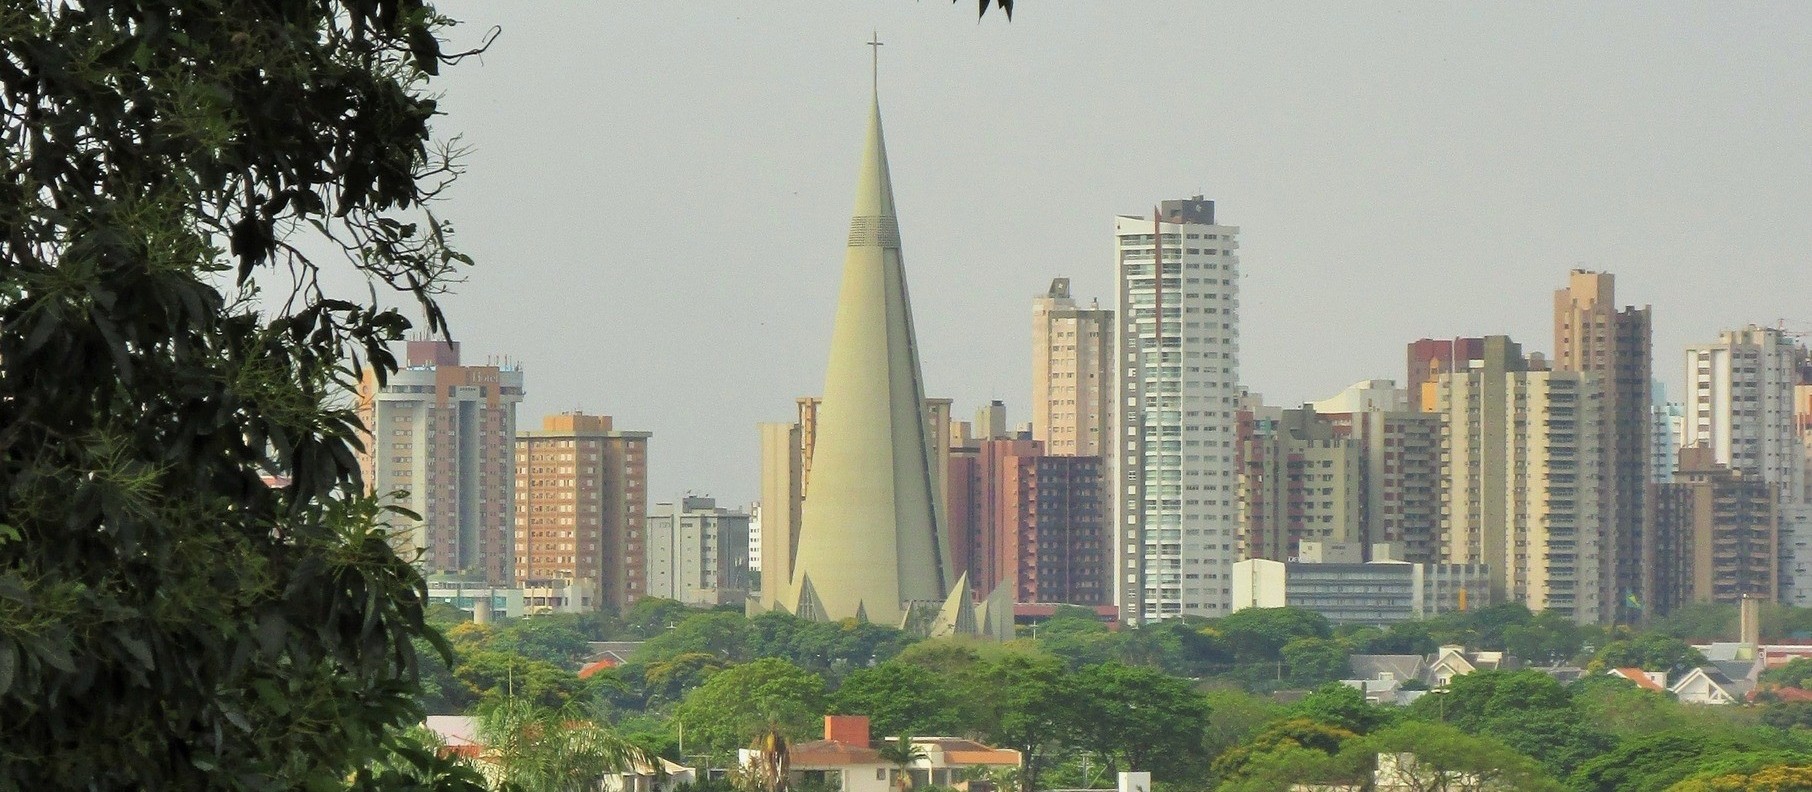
(846, 760)
(1329, 580)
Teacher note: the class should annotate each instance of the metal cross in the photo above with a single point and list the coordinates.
(874, 71)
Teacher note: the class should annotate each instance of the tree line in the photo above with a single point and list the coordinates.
(1192, 701)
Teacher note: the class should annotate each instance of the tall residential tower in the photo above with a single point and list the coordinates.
(581, 509)
(1175, 503)
(1591, 335)
(442, 434)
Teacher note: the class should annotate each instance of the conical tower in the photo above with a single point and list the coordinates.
(870, 536)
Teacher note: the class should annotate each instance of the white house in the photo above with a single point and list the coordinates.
(1707, 685)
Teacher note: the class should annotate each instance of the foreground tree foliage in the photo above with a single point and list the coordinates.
(167, 619)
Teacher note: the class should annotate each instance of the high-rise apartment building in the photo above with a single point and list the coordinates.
(1299, 482)
(1035, 520)
(1718, 535)
(441, 435)
(698, 553)
(1592, 335)
(1399, 467)
(1175, 479)
(1739, 403)
(582, 509)
(1072, 374)
(1521, 479)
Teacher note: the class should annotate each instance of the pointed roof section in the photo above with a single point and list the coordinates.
(874, 223)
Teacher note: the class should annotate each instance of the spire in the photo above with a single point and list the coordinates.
(874, 223)
(871, 529)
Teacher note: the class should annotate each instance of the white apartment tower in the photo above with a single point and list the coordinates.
(1072, 374)
(1175, 482)
(1739, 403)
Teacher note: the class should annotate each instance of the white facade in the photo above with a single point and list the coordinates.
(698, 553)
(755, 537)
(1378, 395)
(1376, 593)
(1664, 442)
(1175, 483)
(1739, 402)
(1796, 553)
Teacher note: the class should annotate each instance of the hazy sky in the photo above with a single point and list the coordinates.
(659, 192)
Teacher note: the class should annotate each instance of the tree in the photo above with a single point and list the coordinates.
(1646, 764)
(1778, 777)
(168, 620)
(1340, 705)
(901, 753)
(503, 675)
(1312, 662)
(551, 638)
(1137, 718)
(1649, 652)
(1472, 699)
(1258, 635)
(1547, 638)
(669, 679)
(769, 764)
(1788, 714)
(1796, 673)
(1448, 759)
(1019, 701)
(900, 698)
(534, 748)
(1264, 757)
(1233, 717)
(737, 703)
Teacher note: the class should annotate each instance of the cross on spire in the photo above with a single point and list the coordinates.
(874, 71)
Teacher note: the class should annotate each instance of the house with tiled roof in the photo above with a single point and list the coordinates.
(848, 760)
(1653, 681)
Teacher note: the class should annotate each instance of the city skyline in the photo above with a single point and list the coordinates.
(1537, 146)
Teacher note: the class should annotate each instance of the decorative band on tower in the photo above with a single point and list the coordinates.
(874, 231)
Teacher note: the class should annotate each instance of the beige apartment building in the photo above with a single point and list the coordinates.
(440, 436)
(1592, 335)
(1299, 482)
(1072, 374)
(1520, 461)
(1399, 466)
(581, 510)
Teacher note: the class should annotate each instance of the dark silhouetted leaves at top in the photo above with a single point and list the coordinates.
(1006, 6)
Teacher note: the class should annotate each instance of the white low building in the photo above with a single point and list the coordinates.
(1377, 592)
